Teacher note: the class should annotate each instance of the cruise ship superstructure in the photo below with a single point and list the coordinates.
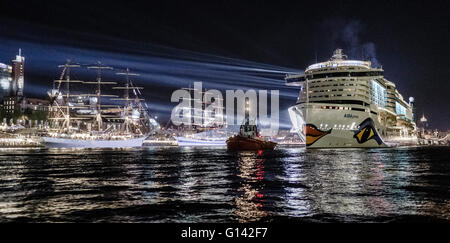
(349, 103)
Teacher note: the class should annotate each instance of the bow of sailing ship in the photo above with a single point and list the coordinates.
(80, 120)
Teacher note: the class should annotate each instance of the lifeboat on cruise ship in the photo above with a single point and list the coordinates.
(249, 139)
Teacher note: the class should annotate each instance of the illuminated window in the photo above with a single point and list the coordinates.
(400, 109)
(378, 94)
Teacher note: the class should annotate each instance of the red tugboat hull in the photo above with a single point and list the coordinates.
(244, 143)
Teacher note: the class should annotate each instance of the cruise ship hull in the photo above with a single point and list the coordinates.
(335, 128)
(82, 143)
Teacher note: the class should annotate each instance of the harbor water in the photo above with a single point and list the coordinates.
(189, 185)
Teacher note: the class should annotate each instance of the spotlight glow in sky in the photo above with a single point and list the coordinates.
(162, 70)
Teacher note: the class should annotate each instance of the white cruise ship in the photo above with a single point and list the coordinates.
(349, 104)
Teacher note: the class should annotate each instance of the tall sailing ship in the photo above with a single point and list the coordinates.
(80, 120)
(349, 103)
(205, 133)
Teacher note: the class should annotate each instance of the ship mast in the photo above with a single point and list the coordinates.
(66, 70)
(194, 112)
(63, 108)
(128, 105)
(98, 92)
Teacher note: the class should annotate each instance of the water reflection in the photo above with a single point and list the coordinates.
(250, 199)
(345, 185)
(216, 185)
(295, 201)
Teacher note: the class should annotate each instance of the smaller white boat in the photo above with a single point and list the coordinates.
(208, 138)
(54, 142)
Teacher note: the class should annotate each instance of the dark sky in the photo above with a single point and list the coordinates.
(408, 38)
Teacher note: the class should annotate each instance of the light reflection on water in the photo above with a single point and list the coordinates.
(216, 185)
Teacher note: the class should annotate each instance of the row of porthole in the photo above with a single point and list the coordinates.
(339, 95)
(336, 107)
(336, 90)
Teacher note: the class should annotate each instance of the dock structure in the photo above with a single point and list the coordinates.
(435, 140)
(8, 140)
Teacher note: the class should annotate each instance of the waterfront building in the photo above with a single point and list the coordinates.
(18, 77)
(14, 105)
(5, 80)
(11, 104)
(12, 81)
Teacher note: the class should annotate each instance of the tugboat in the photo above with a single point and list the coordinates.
(249, 139)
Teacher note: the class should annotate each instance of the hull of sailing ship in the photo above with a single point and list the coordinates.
(201, 142)
(82, 143)
(333, 128)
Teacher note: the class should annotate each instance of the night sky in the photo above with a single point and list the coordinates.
(233, 44)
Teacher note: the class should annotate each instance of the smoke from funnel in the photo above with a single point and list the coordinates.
(346, 34)
(369, 53)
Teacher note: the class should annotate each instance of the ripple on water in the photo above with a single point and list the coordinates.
(215, 185)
